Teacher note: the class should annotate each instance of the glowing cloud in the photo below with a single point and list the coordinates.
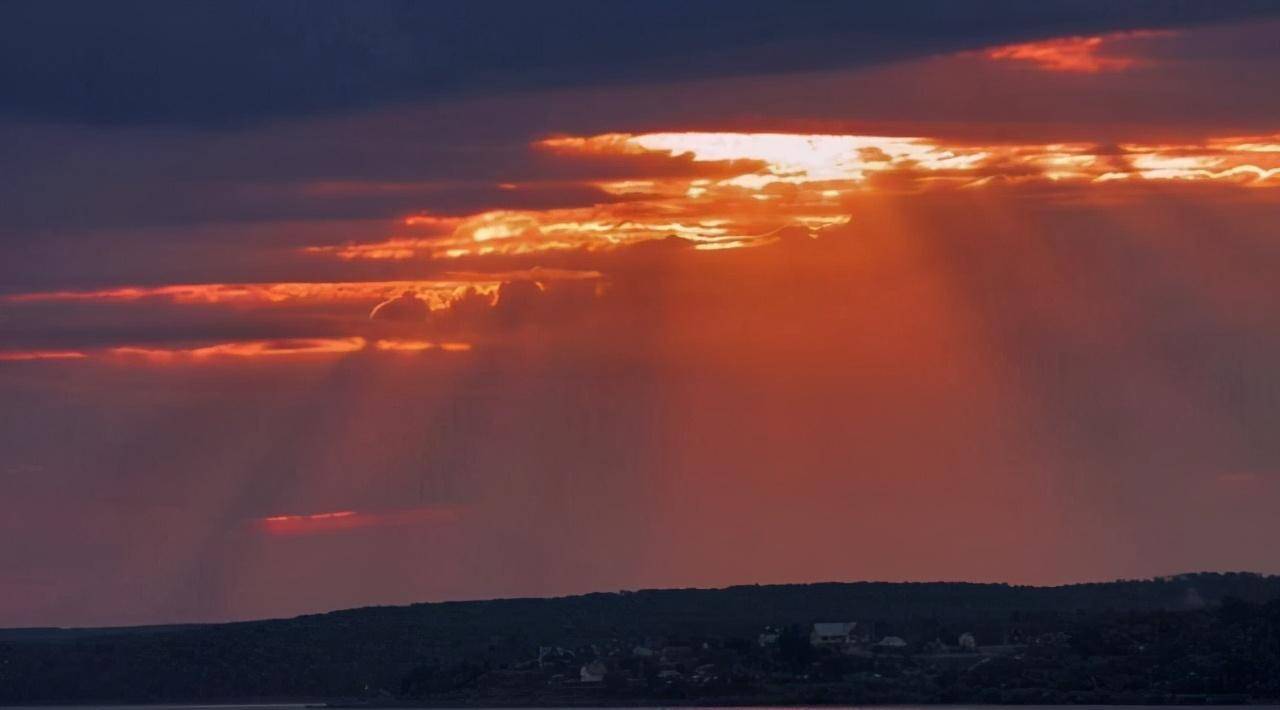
(788, 184)
(1079, 55)
(28, 355)
(810, 158)
(437, 293)
(241, 349)
(398, 345)
(804, 181)
(343, 520)
(404, 346)
(249, 348)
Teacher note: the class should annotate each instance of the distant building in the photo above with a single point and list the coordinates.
(593, 672)
(768, 637)
(673, 654)
(553, 654)
(837, 633)
(892, 642)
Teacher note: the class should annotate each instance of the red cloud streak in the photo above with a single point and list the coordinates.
(341, 520)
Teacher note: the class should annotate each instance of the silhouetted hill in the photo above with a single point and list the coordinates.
(373, 650)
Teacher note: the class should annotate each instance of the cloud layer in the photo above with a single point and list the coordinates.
(153, 62)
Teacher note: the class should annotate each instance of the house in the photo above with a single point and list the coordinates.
(552, 654)
(593, 672)
(892, 642)
(836, 633)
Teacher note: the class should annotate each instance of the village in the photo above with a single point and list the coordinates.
(800, 663)
(704, 663)
(1193, 639)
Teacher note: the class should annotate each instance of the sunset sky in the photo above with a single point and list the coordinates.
(311, 305)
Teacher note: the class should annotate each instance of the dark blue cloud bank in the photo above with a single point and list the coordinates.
(219, 63)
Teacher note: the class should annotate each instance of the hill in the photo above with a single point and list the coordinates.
(461, 651)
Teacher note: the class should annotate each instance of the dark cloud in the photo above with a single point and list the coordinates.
(405, 308)
(548, 306)
(88, 205)
(214, 63)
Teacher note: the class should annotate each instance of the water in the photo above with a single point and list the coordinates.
(302, 706)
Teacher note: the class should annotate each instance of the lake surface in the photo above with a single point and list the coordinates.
(299, 706)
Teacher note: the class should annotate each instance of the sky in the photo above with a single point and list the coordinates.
(314, 305)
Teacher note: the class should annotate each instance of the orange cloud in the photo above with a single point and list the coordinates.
(1079, 55)
(248, 348)
(413, 346)
(436, 292)
(790, 185)
(25, 355)
(803, 181)
(283, 347)
(342, 520)
(391, 249)
(407, 346)
(405, 308)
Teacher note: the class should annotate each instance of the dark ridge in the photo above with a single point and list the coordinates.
(378, 652)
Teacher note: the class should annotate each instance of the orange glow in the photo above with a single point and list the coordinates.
(416, 346)
(1251, 161)
(427, 220)
(789, 185)
(316, 522)
(249, 348)
(842, 164)
(404, 345)
(399, 248)
(1079, 55)
(24, 355)
(810, 158)
(314, 516)
(280, 348)
(802, 181)
(341, 520)
(437, 293)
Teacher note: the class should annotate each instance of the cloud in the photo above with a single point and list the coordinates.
(345, 520)
(87, 205)
(546, 306)
(239, 62)
(405, 308)
(1084, 55)
(30, 355)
